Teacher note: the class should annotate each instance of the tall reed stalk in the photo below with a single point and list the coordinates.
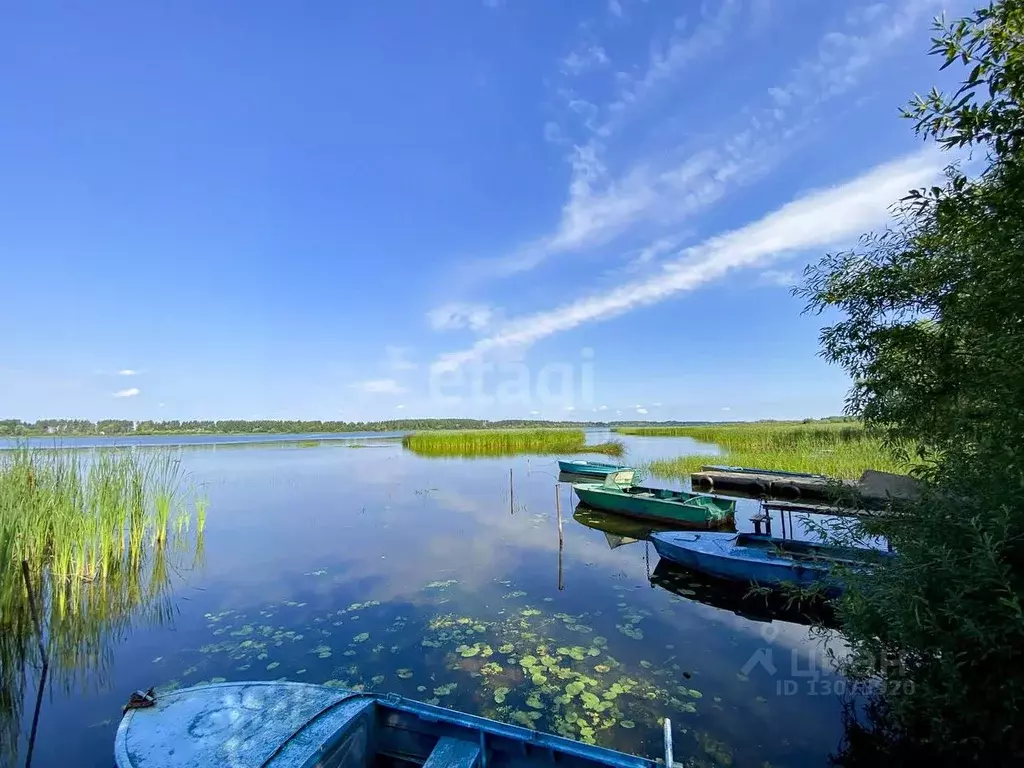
(97, 530)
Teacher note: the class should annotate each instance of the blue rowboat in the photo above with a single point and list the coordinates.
(599, 470)
(293, 725)
(766, 560)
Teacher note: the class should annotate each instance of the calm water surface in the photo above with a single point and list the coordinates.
(369, 566)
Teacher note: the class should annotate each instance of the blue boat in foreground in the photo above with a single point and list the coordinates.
(767, 560)
(288, 725)
(619, 474)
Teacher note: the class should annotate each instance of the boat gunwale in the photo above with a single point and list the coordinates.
(557, 744)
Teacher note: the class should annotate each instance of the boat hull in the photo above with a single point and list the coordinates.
(675, 507)
(297, 725)
(762, 559)
(590, 471)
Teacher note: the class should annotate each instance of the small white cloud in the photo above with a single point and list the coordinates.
(127, 392)
(578, 61)
(535, 413)
(641, 410)
(602, 407)
(781, 277)
(570, 407)
(656, 405)
(380, 386)
(618, 413)
(160, 405)
(400, 406)
(726, 408)
(127, 372)
(397, 358)
(449, 317)
(638, 406)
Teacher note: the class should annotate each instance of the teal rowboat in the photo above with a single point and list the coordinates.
(681, 509)
(619, 474)
(296, 725)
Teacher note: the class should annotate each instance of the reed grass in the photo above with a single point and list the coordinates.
(506, 442)
(838, 450)
(97, 531)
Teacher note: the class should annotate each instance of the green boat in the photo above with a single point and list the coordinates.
(682, 509)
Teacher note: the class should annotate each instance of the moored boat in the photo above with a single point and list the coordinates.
(767, 560)
(293, 725)
(620, 474)
(680, 508)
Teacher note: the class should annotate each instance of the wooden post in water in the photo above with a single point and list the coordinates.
(558, 514)
(511, 494)
(45, 660)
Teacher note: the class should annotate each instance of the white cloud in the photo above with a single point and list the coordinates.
(453, 316)
(815, 221)
(656, 405)
(127, 392)
(578, 61)
(726, 408)
(602, 407)
(535, 413)
(397, 358)
(781, 277)
(127, 372)
(615, 8)
(570, 408)
(661, 187)
(400, 406)
(641, 410)
(380, 386)
(160, 405)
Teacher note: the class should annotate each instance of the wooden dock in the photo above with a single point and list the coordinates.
(769, 485)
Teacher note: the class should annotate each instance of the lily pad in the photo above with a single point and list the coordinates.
(362, 637)
(405, 674)
(627, 724)
(500, 694)
(506, 648)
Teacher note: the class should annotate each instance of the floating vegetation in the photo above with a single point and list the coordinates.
(506, 442)
(441, 584)
(549, 671)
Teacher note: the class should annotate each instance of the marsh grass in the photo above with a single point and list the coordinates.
(837, 450)
(98, 531)
(493, 442)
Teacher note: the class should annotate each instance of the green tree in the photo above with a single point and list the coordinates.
(932, 333)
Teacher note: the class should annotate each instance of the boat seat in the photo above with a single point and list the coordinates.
(453, 753)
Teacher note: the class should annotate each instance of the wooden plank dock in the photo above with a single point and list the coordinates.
(769, 484)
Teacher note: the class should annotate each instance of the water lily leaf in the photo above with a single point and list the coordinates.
(500, 694)
(273, 665)
(538, 679)
(534, 701)
(574, 688)
(602, 668)
(405, 674)
(362, 637)
(377, 679)
(627, 724)
(506, 648)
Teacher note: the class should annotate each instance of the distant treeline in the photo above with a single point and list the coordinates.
(17, 428)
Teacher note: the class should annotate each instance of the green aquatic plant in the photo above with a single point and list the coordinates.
(494, 442)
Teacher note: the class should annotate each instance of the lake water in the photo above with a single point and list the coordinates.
(357, 562)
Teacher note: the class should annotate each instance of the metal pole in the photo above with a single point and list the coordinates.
(668, 743)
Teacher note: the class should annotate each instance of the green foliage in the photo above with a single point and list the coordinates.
(835, 449)
(932, 332)
(506, 442)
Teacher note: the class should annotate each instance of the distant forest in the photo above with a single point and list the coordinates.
(43, 427)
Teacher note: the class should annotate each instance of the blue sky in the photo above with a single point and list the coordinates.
(487, 208)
